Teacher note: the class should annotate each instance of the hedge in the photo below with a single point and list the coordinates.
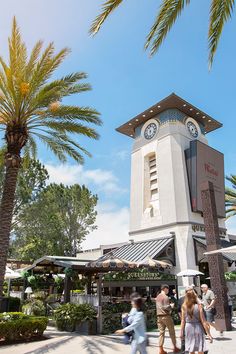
(17, 326)
(112, 313)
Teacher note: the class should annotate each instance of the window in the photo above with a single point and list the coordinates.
(151, 192)
(153, 178)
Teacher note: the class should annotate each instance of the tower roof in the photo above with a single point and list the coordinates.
(171, 101)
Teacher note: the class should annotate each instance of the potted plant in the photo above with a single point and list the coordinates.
(66, 317)
(79, 318)
(86, 322)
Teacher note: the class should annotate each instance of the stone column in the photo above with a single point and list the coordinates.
(216, 267)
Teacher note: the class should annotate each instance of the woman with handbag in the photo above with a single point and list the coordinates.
(193, 325)
(139, 342)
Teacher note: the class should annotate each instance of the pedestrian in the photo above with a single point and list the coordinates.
(164, 319)
(127, 319)
(180, 304)
(174, 294)
(139, 342)
(192, 324)
(208, 301)
(230, 304)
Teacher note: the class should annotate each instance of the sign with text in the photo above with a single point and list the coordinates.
(205, 164)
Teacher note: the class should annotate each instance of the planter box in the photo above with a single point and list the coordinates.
(65, 326)
(86, 327)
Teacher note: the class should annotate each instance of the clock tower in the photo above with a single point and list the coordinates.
(160, 198)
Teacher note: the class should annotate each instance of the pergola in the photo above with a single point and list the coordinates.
(57, 265)
(105, 264)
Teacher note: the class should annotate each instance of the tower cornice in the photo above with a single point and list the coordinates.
(170, 102)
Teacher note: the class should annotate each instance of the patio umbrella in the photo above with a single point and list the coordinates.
(231, 249)
(189, 273)
(154, 263)
(111, 262)
(10, 274)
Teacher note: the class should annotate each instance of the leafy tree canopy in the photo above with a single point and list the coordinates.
(55, 223)
(31, 180)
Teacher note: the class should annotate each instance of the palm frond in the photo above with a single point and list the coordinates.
(61, 146)
(86, 114)
(167, 15)
(230, 193)
(17, 52)
(31, 101)
(33, 60)
(220, 12)
(230, 197)
(107, 8)
(66, 127)
(232, 180)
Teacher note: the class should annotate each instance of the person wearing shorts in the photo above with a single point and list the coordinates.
(208, 300)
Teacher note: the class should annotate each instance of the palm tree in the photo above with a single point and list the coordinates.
(230, 197)
(31, 111)
(220, 12)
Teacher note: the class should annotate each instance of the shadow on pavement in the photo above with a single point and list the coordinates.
(50, 346)
(222, 339)
(96, 346)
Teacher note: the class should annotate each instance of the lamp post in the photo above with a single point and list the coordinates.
(28, 291)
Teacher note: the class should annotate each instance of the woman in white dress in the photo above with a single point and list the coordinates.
(193, 325)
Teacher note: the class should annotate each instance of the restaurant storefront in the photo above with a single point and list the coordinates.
(145, 282)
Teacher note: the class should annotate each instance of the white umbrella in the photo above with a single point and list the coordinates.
(10, 274)
(231, 249)
(189, 273)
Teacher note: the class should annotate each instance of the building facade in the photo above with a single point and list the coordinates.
(162, 223)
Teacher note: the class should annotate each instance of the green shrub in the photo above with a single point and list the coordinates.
(39, 295)
(6, 316)
(230, 275)
(68, 315)
(34, 307)
(111, 315)
(17, 326)
(122, 307)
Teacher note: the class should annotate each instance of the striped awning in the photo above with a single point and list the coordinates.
(230, 257)
(112, 262)
(138, 251)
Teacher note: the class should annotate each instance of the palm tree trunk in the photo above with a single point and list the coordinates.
(6, 214)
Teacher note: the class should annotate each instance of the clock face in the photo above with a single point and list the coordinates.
(150, 131)
(192, 128)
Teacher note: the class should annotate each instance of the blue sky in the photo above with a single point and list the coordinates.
(126, 81)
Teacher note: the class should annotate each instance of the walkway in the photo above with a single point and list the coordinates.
(70, 343)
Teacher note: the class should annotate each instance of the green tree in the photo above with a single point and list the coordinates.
(31, 110)
(220, 12)
(30, 182)
(56, 223)
(230, 197)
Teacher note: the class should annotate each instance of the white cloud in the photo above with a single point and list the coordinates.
(101, 180)
(123, 154)
(113, 226)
